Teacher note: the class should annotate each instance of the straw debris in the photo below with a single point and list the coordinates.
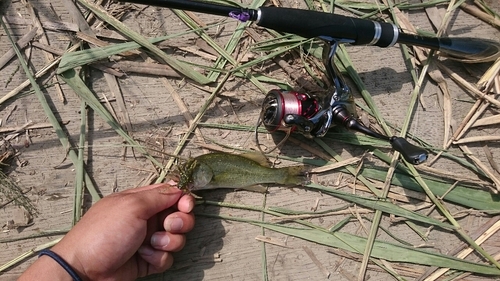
(378, 193)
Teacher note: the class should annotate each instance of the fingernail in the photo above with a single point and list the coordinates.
(169, 189)
(173, 224)
(160, 240)
(145, 251)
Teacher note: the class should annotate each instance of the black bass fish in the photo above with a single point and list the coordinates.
(245, 171)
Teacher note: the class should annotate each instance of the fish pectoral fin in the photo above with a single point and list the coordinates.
(257, 157)
(256, 188)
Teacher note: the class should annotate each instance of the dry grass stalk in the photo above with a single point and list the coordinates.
(110, 34)
(435, 15)
(138, 38)
(337, 165)
(9, 189)
(497, 84)
(475, 11)
(470, 88)
(195, 51)
(214, 147)
(47, 48)
(491, 120)
(405, 270)
(466, 274)
(490, 158)
(296, 75)
(313, 257)
(107, 70)
(115, 89)
(184, 110)
(355, 213)
(437, 76)
(38, 74)
(143, 68)
(472, 120)
(461, 128)
(28, 254)
(473, 115)
(100, 43)
(311, 149)
(477, 139)
(451, 175)
(57, 26)
(193, 125)
(23, 42)
(396, 193)
(123, 116)
(44, 40)
(491, 75)
(481, 166)
(417, 206)
(30, 126)
(273, 241)
(312, 216)
(463, 254)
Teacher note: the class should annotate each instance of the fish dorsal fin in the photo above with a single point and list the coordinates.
(257, 157)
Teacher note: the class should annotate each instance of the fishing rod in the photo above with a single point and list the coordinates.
(312, 115)
(309, 24)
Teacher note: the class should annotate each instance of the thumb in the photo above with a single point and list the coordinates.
(153, 199)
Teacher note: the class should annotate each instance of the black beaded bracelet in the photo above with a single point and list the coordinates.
(61, 262)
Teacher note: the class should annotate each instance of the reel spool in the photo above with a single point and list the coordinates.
(279, 107)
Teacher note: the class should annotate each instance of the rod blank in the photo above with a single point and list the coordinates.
(356, 31)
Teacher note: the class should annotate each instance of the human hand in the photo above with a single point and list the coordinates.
(129, 234)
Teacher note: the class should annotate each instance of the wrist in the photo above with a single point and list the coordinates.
(70, 259)
(62, 263)
(45, 268)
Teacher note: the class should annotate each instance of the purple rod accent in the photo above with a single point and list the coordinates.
(239, 15)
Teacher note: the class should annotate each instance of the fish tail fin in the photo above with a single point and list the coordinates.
(296, 175)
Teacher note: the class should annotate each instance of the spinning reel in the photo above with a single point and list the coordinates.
(312, 116)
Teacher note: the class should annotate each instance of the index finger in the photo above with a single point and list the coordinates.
(149, 187)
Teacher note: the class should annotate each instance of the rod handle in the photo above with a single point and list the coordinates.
(310, 24)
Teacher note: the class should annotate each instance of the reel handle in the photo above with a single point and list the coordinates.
(411, 153)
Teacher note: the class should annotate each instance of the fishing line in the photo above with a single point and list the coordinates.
(281, 143)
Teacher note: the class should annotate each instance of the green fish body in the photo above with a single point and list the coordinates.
(224, 170)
